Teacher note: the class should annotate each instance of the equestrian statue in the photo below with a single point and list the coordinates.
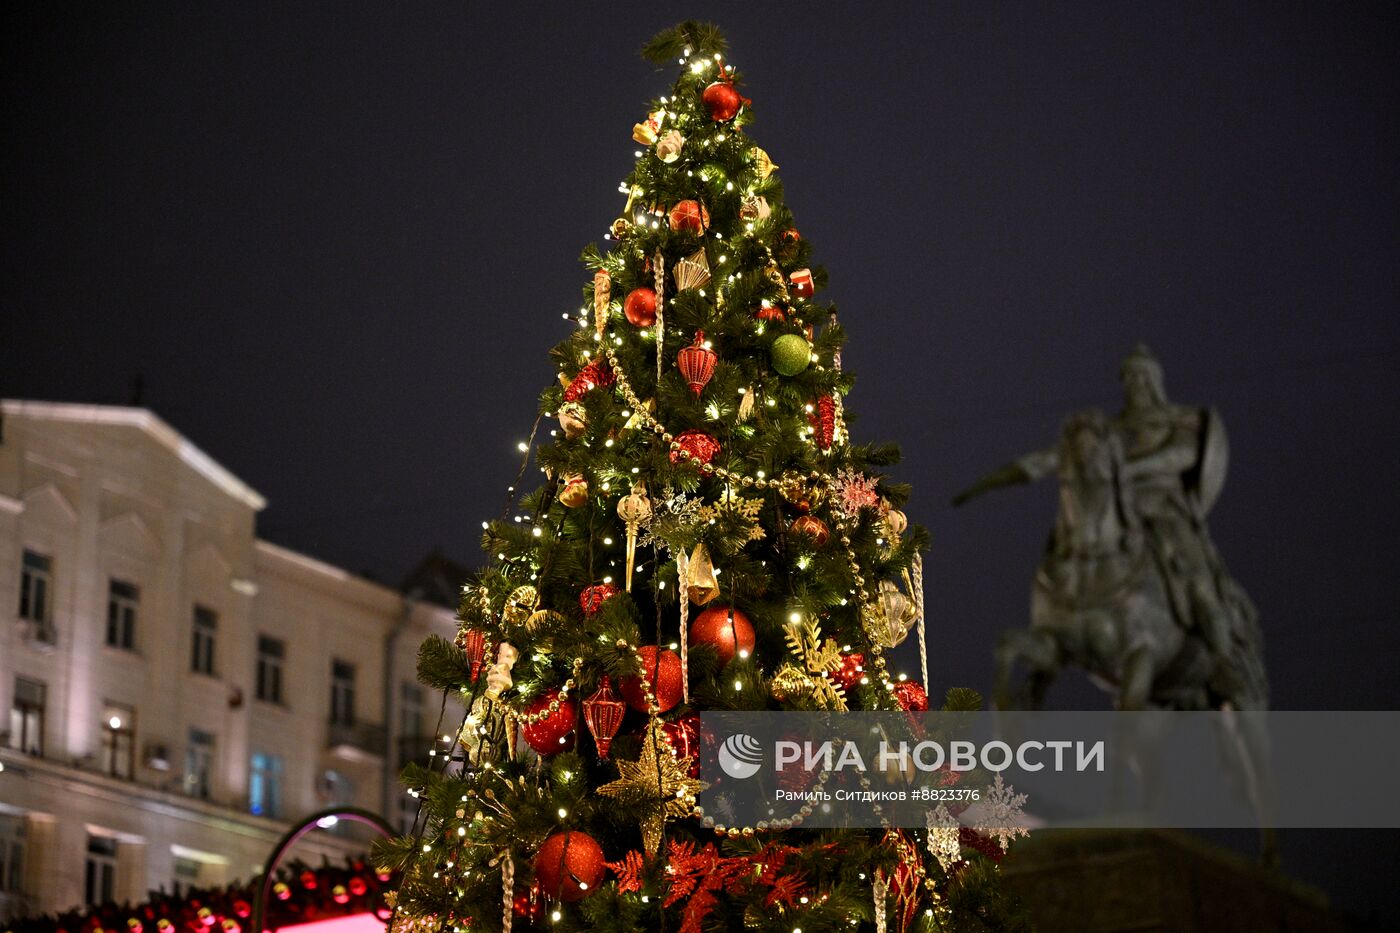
(1130, 588)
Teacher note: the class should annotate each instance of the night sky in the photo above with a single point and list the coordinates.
(336, 244)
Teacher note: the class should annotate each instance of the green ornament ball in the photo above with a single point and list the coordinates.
(790, 354)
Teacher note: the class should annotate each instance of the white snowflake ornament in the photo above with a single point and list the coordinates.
(1004, 819)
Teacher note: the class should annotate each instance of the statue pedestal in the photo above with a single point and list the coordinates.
(1106, 881)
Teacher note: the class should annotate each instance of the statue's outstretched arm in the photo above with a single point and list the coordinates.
(1027, 469)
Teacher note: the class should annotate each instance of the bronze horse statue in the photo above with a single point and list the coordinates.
(1097, 599)
(1130, 587)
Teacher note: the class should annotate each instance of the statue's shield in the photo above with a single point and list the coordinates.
(1214, 460)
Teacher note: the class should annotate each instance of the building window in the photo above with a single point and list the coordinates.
(122, 600)
(101, 870)
(342, 693)
(265, 785)
(36, 578)
(118, 740)
(338, 790)
(199, 764)
(11, 855)
(410, 709)
(206, 625)
(27, 717)
(408, 812)
(271, 651)
(186, 875)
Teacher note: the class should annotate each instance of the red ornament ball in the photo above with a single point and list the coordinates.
(308, 879)
(340, 895)
(813, 528)
(722, 102)
(727, 630)
(689, 216)
(569, 866)
(593, 597)
(640, 306)
(358, 887)
(911, 696)
(770, 313)
(683, 736)
(850, 672)
(555, 732)
(701, 447)
(663, 669)
(790, 239)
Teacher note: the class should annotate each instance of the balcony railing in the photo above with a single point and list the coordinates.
(416, 748)
(356, 739)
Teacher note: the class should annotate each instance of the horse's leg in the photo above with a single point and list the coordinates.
(1038, 683)
(1037, 648)
(1250, 743)
(1135, 681)
(1008, 651)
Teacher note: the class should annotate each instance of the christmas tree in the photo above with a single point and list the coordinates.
(709, 538)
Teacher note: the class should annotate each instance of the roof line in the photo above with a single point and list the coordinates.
(338, 574)
(148, 421)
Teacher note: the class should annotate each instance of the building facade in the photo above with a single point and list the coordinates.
(177, 691)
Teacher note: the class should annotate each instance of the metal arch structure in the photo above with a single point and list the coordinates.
(308, 824)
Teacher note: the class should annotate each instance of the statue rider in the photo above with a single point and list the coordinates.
(1174, 463)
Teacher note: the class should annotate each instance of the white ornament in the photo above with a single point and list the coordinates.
(943, 836)
(668, 147)
(498, 679)
(1004, 820)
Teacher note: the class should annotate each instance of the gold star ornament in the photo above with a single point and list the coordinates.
(658, 784)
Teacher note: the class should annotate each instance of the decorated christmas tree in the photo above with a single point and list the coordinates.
(709, 537)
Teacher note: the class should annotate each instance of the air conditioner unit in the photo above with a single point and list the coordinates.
(157, 757)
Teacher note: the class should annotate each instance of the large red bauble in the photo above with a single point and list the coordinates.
(683, 735)
(640, 306)
(555, 732)
(721, 101)
(701, 447)
(593, 597)
(727, 630)
(689, 216)
(850, 672)
(569, 866)
(663, 669)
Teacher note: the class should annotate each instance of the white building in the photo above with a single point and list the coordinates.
(173, 690)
